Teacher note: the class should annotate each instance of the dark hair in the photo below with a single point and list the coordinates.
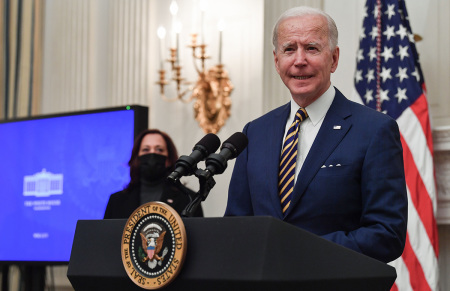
(134, 161)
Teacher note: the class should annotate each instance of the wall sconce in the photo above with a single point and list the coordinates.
(212, 89)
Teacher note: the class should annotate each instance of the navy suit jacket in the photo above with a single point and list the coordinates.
(351, 188)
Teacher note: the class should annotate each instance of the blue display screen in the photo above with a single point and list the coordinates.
(55, 171)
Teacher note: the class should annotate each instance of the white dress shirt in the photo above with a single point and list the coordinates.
(310, 126)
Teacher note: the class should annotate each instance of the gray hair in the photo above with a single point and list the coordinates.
(302, 11)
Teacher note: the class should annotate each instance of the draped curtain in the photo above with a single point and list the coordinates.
(20, 57)
(20, 74)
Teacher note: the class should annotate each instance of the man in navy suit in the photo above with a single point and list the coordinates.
(349, 176)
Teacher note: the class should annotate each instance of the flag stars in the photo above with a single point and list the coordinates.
(385, 58)
(402, 32)
(403, 52)
(358, 76)
(402, 73)
(372, 53)
(362, 35)
(390, 11)
(402, 16)
(387, 54)
(375, 11)
(359, 55)
(369, 95)
(385, 74)
(398, 70)
(374, 32)
(384, 95)
(389, 32)
(401, 95)
(365, 12)
(416, 74)
(370, 75)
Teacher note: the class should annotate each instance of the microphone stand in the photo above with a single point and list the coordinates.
(206, 182)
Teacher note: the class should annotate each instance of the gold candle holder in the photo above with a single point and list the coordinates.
(211, 91)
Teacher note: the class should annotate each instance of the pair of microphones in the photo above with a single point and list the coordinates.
(205, 149)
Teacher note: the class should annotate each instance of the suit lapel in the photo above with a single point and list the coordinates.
(326, 141)
(274, 137)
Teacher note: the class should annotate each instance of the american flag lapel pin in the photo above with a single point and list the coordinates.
(337, 127)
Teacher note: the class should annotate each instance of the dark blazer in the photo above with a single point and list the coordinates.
(123, 203)
(351, 188)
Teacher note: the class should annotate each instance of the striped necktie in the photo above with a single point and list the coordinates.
(288, 160)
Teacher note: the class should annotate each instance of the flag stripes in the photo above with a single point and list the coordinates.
(422, 203)
(402, 282)
(421, 112)
(416, 275)
(422, 247)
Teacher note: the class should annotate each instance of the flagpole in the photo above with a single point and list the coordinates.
(377, 95)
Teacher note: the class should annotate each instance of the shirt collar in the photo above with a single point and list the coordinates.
(317, 109)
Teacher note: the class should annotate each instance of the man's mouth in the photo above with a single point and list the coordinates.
(302, 77)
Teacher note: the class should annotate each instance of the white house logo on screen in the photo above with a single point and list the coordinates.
(43, 184)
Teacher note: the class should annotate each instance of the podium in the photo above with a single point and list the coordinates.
(231, 253)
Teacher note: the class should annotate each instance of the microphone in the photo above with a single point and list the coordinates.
(231, 148)
(186, 165)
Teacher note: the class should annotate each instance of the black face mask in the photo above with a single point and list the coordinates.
(152, 167)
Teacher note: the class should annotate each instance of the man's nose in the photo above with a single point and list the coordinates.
(300, 58)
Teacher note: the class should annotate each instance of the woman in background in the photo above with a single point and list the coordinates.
(152, 159)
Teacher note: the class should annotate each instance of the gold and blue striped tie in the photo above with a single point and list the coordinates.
(288, 160)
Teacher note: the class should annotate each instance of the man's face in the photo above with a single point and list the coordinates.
(303, 57)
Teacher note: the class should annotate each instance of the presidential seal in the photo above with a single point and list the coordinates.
(153, 245)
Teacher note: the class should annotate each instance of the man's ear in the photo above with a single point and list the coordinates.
(275, 59)
(335, 57)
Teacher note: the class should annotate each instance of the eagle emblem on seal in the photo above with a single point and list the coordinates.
(152, 243)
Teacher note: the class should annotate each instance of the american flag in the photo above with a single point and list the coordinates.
(388, 78)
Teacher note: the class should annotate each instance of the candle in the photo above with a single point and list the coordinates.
(220, 26)
(161, 35)
(173, 10)
(178, 27)
(220, 47)
(202, 21)
(194, 18)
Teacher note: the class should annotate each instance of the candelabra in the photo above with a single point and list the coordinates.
(211, 92)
